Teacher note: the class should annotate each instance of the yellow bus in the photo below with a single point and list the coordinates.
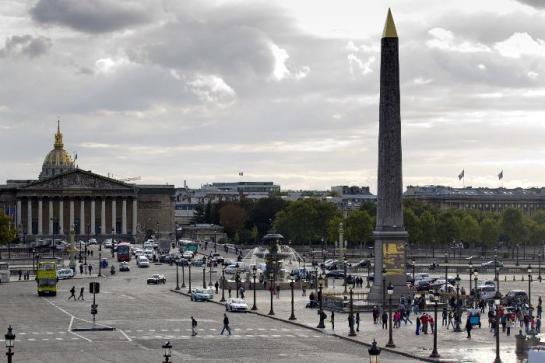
(46, 278)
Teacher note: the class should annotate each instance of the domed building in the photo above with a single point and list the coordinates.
(57, 160)
(65, 198)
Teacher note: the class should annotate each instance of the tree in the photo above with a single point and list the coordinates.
(232, 218)
(470, 230)
(490, 232)
(7, 231)
(412, 225)
(333, 228)
(199, 216)
(359, 226)
(427, 227)
(263, 213)
(255, 234)
(448, 227)
(512, 225)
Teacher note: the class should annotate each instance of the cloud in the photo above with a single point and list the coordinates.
(445, 40)
(520, 44)
(26, 45)
(534, 3)
(93, 16)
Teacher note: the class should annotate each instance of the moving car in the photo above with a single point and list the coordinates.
(188, 255)
(142, 261)
(336, 274)
(124, 266)
(491, 264)
(65, 273)
(515, 297)
(157, 279)
(235, 304)
(202, 294)
(92, 241)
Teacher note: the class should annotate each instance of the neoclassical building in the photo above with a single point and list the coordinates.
(65, 197)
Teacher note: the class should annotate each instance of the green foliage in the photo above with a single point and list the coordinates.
(490, 232)
(427, 227)
(7, 230)
(470, 230)
(359, 226)
(412, 225)
(232, 218)
(513, 226)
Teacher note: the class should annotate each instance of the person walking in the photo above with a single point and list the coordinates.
(332, 320)
(80, 269)
(418, 324)
(278, 291)
(80, 296)
(384, 320)
(225, 325)
(358, 321)
(72, 293)
(445, 316)
(90, 268)
(217, 285)
(194, 327)
(20, 274)
(450, 320)
(468, 328)
(539, 310)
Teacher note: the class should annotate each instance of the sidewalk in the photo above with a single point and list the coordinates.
(453, 347)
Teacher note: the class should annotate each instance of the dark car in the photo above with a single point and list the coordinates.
(364, 263)
(422, 285)
(182, 262)
(336, 274)
(166, 259)
(515, 298)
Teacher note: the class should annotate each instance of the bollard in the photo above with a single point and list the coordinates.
(522, 278)
(505, 278)
(513, 277)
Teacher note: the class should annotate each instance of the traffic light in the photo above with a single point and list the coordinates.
(94, 309)
(94, 287)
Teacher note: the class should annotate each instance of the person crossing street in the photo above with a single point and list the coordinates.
(80, 297)
(72, 293)
(193, 327)
(225, 325)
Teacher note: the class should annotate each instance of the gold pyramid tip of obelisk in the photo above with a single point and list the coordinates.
(390, 27)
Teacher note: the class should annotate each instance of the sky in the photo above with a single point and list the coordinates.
(283, 91)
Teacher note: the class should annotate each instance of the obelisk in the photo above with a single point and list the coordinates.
(390, 235)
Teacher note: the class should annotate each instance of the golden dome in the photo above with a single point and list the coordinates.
(57, 160)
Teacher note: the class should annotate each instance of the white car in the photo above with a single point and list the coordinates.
(148, 253)
(92, 241)
(142, 261)
(188, 255)
(148, 244)
(231, 269)
(138, 252)
(65, 273)
(234, 304)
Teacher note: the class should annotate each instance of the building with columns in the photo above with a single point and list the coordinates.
(66, 197)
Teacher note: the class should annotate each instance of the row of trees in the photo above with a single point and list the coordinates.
(312, 221)
(7, 231)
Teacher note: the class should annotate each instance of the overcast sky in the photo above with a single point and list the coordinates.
(282, 90)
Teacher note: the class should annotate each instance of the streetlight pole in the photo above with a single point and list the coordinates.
(435, 353)
(497, 299)
(518, 244)
(271, 289)
(414, 268)
(390, 343)
(477, 294)
(177, 278)
(189, 277)
(530, 288)
(223, 284)
(87, 244)
(345, 279)
(446, 272)
(539, 266)
(320, 310)
(292, 316)
(470, 276)
(210, 275)
(183, 275)
(352, 333)
(9, 338)
(457, 328)
(254, 271)
(204, 272)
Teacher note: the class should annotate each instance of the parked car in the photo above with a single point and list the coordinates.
(92, 241)
(142, 261)
(364, 263)
(234, 304)
(156, 279)
(124, 266)
(107, 243)
(515, 297)
(422, 285)
(231, 269)
(202, 294)
(336, 274)
(65, 273)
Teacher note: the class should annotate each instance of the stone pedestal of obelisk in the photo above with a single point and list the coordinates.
(390, 235)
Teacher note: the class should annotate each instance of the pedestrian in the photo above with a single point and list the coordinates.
(72, 293)
(332, 320)
(20, 274)
(375, 314)
(278, 291)
(510, 324)
(229, 290)
(418, 325)
(194, 327)
(538, 325)
(225, 325)
(424, 320)
(468, 328)
(384, 320)
(358, 321)
(80, 269)
(80, 297)
(90, 268)
(539, 310)
(304, 290)
(445, 316)
(450, 318)
(91, 253)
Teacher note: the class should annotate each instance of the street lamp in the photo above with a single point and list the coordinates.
(204, 272)
(292, 316)
(223, 284)
(477, 294)
(320, 302)
(10, 338)
(352, 333)
(237, 278)
(183, 273)
(210, 274)
(497, 300)
(345, 279)
(457, 328)
(539, 266)
(374, 352)
(271, 289)
(518, 244)
(414, 267)
(254, 271)
(167, 352)
(446, 272)
(189, 277)
(530, 288)
(113, 241)
(177, 278)
(435, 353)
(390, 343)
(470, 275)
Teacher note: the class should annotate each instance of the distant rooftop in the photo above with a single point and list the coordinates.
(440, 190)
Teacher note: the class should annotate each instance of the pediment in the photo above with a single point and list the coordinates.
(78, 179)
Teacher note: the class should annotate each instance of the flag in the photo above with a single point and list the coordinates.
(240, 173)
(500, 175)
(461, 175)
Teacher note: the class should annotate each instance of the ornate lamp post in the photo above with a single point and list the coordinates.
(414, 267)
(352, 333)
(189, 277)
(88, 238)
(183, 274)
(204, 272)
(446, 272)
(374, 352)
(167, 352)
(477, 293)
(254, 273)
(497, 300)
(113, 241)
(345, 277)
(223, 284)
(470, 275)
(237, 278)
(530, 288)
(271, 289)
(458, 313)
(292, 316)
(177, 278)
(539, 266)
(210, 273)
(518, 244)
(320, 302)
(10, 338)
(368, 273)
(435, 353)
(390, 343)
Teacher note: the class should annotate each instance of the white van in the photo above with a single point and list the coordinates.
(142, 261)
(65, 273)
(487, 292)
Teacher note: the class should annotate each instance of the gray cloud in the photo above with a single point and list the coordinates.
(534, 3)
(26, 45)
(93, 16)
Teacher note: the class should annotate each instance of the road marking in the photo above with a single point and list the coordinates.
(249, 328)
(151, 330)
(139, 330)
(164, 329)
(22, 333)
(45, 339)
(128, 331)
(275, 335)
(177, 329)
(125, 335)
(59, 338)
(31, 339)
(250, 335)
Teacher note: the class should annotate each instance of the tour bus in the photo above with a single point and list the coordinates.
(123, 252)
(4, 272)
(46, 278)
(188, 245)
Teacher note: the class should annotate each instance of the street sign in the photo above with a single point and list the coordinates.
(94, 287)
